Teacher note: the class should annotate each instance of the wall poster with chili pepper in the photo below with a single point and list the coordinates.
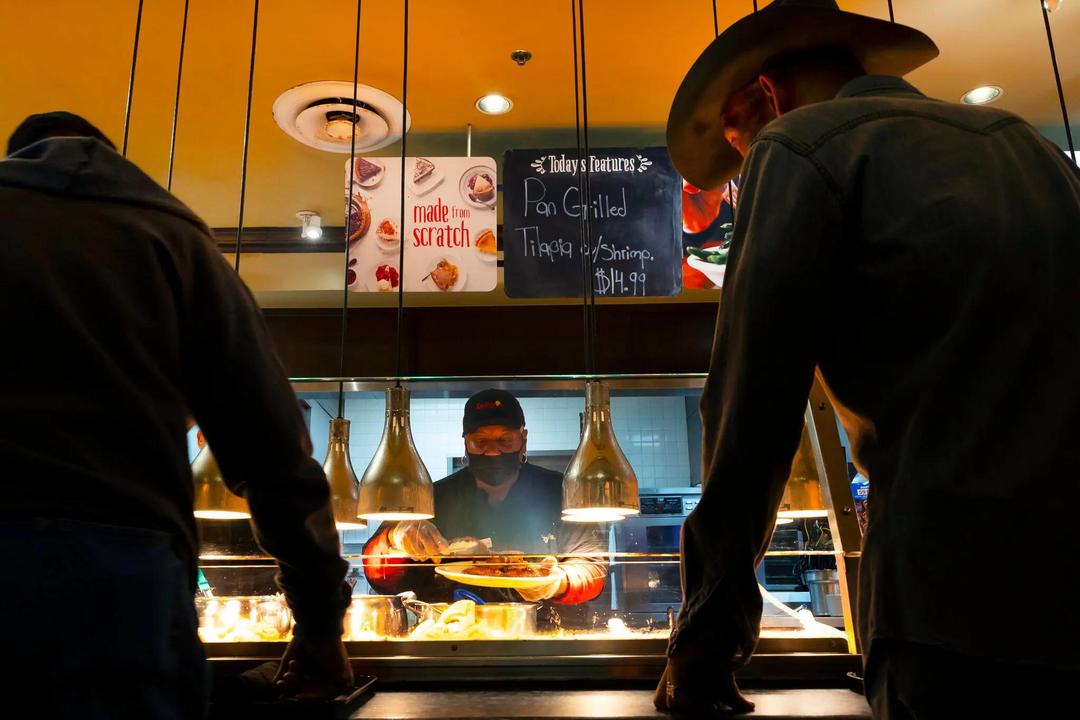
(707, 222)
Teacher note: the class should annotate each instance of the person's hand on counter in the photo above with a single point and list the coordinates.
(314, 669)
(419, 539)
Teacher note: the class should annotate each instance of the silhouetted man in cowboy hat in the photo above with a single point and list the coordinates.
(942, 242)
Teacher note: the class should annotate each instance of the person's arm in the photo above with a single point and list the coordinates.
(583, 547)
(385, 570)
(579, 571)
(238, 393)
(768, 335)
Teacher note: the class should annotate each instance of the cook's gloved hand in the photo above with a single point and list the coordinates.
(419, 539)
(555, 587)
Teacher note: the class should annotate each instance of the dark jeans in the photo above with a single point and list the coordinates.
(910, 681)
(98, 622)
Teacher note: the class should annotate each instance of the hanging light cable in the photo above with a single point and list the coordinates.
(396, 484)
(131, 78)
(176, 101)
(599, 484)
(1057, 78)
(247, 133)
(344, 487)
(211, 493)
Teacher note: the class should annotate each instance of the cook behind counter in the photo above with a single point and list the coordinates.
(528, 520)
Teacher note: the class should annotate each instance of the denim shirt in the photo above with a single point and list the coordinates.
(923, 258)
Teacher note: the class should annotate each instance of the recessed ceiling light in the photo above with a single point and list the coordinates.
(494, 104)
(982, 95)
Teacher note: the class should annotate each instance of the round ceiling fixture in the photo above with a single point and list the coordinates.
(982, 95)
(494, 104)
(322, 115)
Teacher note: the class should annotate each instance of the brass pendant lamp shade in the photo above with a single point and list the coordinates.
(396, 485)
(344, 487)
(599, 484)
(802, 495)
(213, 499)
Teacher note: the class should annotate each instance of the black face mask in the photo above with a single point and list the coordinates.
(495, 469)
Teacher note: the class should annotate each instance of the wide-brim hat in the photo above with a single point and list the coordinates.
(695, 130)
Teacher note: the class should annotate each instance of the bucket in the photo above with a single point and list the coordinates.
(822, 584)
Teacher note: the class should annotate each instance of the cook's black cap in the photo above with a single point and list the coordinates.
(492, 407)
(58, 123)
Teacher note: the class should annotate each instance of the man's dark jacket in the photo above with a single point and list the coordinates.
(120, 318)
(924, 256)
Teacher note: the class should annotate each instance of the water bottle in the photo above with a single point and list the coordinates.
(860, 493)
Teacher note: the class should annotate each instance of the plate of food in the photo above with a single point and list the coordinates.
(486, 246)
(477, 187)
(359, 218)
(388, 236)
(498, 571)
(445, 273)
(368, 172)
(381, 278)
(711, 262)
(425, 176)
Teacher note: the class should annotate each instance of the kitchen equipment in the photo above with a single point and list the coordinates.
(371, 616)
(648, 589)
(822, 584)
(243, 618)
(498, 619)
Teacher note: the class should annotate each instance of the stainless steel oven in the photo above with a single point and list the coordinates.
(650, 590)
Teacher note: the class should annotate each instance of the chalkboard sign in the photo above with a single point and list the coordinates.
(635, 214)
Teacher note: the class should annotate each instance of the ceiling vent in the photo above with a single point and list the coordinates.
(321, 115)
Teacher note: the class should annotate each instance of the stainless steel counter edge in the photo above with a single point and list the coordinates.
(794, 704)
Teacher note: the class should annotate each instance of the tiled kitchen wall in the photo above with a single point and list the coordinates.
(651, 431)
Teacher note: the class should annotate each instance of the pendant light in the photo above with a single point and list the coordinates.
(213, 499)
(802, 494)
(344, 487)
(396, 485)
(599, 484)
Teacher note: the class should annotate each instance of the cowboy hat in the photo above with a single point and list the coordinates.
(695, 130)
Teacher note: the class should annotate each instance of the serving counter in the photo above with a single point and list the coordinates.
(618, 637)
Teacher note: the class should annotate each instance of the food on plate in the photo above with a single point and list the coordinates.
(366, 171)
(486, 244)
(507, 566)
(244, 619)
(387, 232)
(457, 622)
(445, 275)
(481, 187)
(350, 274)
(359, 218)
(422, 170)
(713, 255)
(470, 546)
(386, 278)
